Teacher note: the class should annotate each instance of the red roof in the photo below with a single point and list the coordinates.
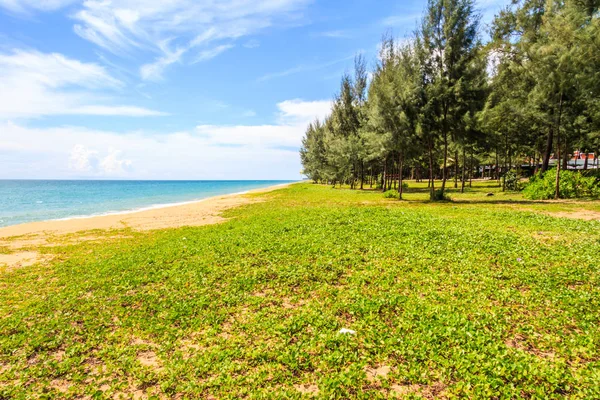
(581, 156)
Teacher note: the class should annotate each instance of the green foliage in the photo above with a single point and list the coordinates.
(440, 195)
(572, 185)
(469, 299)
(512, 181)
(393, 194)
(390, 194)
(595, 173)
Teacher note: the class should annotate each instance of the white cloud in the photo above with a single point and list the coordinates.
(112, 165)
(115, 111)
(298, 111)
(212, 53)
(293, 117)
(92, 163)
(302, 68)
(34, 84)
(206, 152)
(82, 159)
(339, 34)
(175, 27)
(154, 71)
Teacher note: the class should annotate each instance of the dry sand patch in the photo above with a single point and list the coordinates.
(435, 391)
(585, 215)
(149, 359)
(307, 389)
(376, 373)
(21, 259)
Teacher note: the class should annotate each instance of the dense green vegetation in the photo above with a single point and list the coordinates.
(444, 104)
(572, 185)
(481, 297)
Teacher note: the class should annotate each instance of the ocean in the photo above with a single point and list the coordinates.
(24, 201)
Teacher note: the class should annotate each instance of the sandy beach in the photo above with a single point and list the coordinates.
(208, 211)
(201, 212)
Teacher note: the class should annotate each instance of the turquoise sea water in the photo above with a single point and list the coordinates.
(36, 200)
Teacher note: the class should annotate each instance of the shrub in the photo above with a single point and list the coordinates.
(591, 173)
(391, 194)
(513, 181)
(572, 185)
(439, 196)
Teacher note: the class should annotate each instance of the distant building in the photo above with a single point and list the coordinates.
(577, 160)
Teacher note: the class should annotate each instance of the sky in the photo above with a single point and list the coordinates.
(178, 89)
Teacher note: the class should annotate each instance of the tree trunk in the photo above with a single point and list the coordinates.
(585, 162)
(462, 188)
(431, 178)
(506, 162)
(471, 170)
(444, 168)
(497, 167)
(456, 169)
(384, 177)
(548, 151)
(395, 182)
(362, 175)
(557, 194)
(400, 166)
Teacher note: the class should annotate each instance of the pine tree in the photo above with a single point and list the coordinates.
(448, 48)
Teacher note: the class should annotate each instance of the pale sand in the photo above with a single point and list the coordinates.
(40, 234)
(202, 212)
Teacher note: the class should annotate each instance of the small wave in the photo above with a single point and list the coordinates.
(148, 208)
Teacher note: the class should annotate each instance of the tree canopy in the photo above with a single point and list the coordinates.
(444, 103)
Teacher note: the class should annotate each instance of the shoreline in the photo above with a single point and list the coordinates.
(160, 216)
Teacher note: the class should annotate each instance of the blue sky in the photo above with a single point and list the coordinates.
(179, 89)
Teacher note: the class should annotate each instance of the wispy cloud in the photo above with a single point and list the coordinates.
(302, 68)
(34, 84)
(337, 34)
(175, 27)
(212, 53)
(154, 71)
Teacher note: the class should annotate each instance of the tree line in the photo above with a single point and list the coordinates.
(443, 105)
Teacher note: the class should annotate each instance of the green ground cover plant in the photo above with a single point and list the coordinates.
(573, 185)
(478, 297)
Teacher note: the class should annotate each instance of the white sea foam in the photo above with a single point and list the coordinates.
(127, 206)
(147, 208)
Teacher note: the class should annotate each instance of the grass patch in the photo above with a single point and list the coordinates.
(481, 297)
